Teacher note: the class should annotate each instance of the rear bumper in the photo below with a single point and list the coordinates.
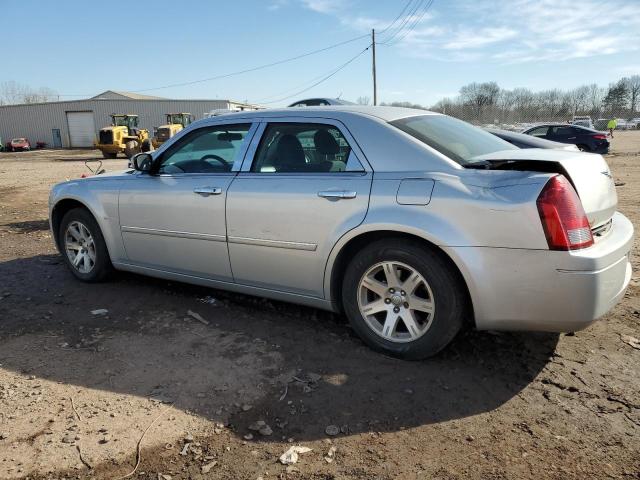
(543, 290)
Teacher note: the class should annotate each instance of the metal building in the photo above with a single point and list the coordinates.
(75, 123)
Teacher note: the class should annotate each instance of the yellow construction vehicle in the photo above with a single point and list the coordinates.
(123, 135)
(175, 123)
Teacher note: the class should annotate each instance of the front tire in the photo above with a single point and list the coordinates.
(83, 247)
(404, 299)
(131, 148)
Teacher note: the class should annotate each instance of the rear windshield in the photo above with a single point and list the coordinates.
(458, 140)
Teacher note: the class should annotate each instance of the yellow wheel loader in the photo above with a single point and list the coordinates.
(175, 123)
(123, 136)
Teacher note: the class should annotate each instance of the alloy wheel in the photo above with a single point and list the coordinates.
(80, 247)
(396, 301)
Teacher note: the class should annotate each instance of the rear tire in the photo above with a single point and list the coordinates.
(80, 236)
(583, 148)
(131, 148)
(109, 154)
(434, 303)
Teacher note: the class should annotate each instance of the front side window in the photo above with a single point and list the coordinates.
(304, 148)
(458, 140)
(205, 150)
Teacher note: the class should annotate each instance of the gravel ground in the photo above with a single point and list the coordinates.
(81, 392)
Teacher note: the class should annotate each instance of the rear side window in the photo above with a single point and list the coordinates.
(458, 140)
(538, 132)
(304, 148)
(563, 131)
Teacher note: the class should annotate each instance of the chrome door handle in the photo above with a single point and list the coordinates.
(571, 138)
(337, 194)
(206, 191)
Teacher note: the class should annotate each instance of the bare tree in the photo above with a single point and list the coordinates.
(363, 100)
(480, 95)
(633, 85)
(12, 92)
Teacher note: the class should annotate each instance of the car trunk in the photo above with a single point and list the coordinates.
(588, 173)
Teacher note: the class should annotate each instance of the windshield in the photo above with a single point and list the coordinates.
(458, 140)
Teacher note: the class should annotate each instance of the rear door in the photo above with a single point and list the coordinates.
(306, 185)
(563, 134)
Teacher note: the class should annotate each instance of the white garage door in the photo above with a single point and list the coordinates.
(82, 130)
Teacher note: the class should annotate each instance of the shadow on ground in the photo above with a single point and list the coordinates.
(301, 369)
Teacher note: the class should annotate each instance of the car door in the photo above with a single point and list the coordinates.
(306, 185)
(174, 219)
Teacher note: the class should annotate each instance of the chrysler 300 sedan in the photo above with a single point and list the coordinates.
(411, 223)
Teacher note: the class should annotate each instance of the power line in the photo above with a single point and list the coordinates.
(414, 24)
(253, 69)
(323, 79)
(396, 19)
(410, 15)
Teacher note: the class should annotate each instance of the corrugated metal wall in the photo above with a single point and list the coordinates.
(36, 121)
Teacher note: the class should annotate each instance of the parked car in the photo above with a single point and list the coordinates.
(318, 102)
(19, 144)
(585, 139)
(412, 223)
(522, 140)
(582, 120)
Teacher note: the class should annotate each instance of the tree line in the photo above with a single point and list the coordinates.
(487, 102)
(12, 93)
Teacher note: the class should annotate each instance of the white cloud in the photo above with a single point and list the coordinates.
(479, 38)
(324, 6)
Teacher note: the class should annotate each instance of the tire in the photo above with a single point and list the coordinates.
(131, 148)
(102, 268)
(146, 146)
(583, 148)
(109, 154)
(442, 289)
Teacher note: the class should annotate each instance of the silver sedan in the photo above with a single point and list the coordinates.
(411, 223)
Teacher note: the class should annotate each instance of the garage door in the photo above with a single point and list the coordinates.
(82, 130)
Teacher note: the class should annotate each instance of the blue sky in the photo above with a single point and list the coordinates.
(85, 47)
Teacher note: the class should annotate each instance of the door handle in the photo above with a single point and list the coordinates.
(206, 191)
(571, 138)
(337, 194)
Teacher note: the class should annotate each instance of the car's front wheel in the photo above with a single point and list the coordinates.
(403, 298)
(83, 247)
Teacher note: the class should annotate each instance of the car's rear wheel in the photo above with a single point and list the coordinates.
(83, 247)
(583, 148)
(403, 299)
(109, 154)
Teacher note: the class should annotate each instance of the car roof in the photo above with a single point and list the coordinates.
(387, 114)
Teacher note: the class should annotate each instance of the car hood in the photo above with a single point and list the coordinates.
(588, 172)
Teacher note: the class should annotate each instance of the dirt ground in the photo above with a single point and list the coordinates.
(80, 391)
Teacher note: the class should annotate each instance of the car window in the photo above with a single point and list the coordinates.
(538, 132)
(458, 140)
(563, 131)
(205, 150)
(304, 148)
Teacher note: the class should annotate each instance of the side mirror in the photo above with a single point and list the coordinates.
(143, 162)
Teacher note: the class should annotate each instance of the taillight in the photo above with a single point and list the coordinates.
(600, 137)
(563, 219)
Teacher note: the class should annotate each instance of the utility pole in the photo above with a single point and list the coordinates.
(373, 51)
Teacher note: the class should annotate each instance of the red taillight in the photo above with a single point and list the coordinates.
(563, 219)
(600, 137)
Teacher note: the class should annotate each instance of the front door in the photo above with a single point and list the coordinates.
(305, 188)
(174, 220)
